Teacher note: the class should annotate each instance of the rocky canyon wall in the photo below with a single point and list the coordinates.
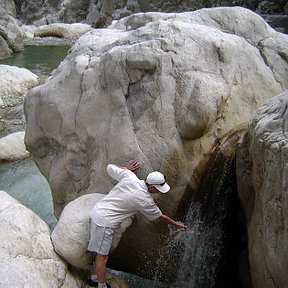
(159, 88)
(264, 193)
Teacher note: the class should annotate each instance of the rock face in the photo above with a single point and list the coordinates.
(101, 13)
(71, 234)
(11, 34)
(43, 11)
(15, 84)
(268, 224)
(160, 88)
(265, 194)
(5, 51)
(27, 255)
(152, 87)
(9, 7)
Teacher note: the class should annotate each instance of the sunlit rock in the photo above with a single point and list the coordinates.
(27, 255)
(159, 88)
(62, 30)
(11, 34)
(12, 147)
(15, 84)
(71, 235)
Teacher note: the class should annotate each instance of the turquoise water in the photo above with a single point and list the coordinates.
(23, 181)
(40, 60)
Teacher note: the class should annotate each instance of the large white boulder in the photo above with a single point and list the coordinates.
(15, 84)
(161, 88)
(71, 235)
(267, 215)
(27, 255)
(12, 147)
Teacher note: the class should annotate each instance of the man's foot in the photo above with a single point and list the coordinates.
(92, 283)
(108, 285)
(95, 284)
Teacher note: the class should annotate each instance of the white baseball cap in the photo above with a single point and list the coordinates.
(158, 180)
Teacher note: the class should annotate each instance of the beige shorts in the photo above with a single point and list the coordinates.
(100, 239)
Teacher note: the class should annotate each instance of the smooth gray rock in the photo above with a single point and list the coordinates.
(267, 228)
(151, 87)
(15, 84)
(12, 147)
(10, 31)
(27, 255)
(71, 235)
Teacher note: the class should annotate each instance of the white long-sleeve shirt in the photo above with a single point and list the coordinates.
(128, 197)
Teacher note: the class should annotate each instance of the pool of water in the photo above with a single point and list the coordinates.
(40, 60)
(23, 181)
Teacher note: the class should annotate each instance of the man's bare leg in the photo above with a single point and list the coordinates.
(93, 271)
(100, 267)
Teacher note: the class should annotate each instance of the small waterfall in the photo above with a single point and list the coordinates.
(208, 255)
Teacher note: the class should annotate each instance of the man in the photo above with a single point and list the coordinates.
(128, 197)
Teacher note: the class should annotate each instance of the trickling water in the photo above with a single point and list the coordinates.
(207, 256)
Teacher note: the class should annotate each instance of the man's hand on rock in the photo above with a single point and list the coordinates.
(133, 165)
